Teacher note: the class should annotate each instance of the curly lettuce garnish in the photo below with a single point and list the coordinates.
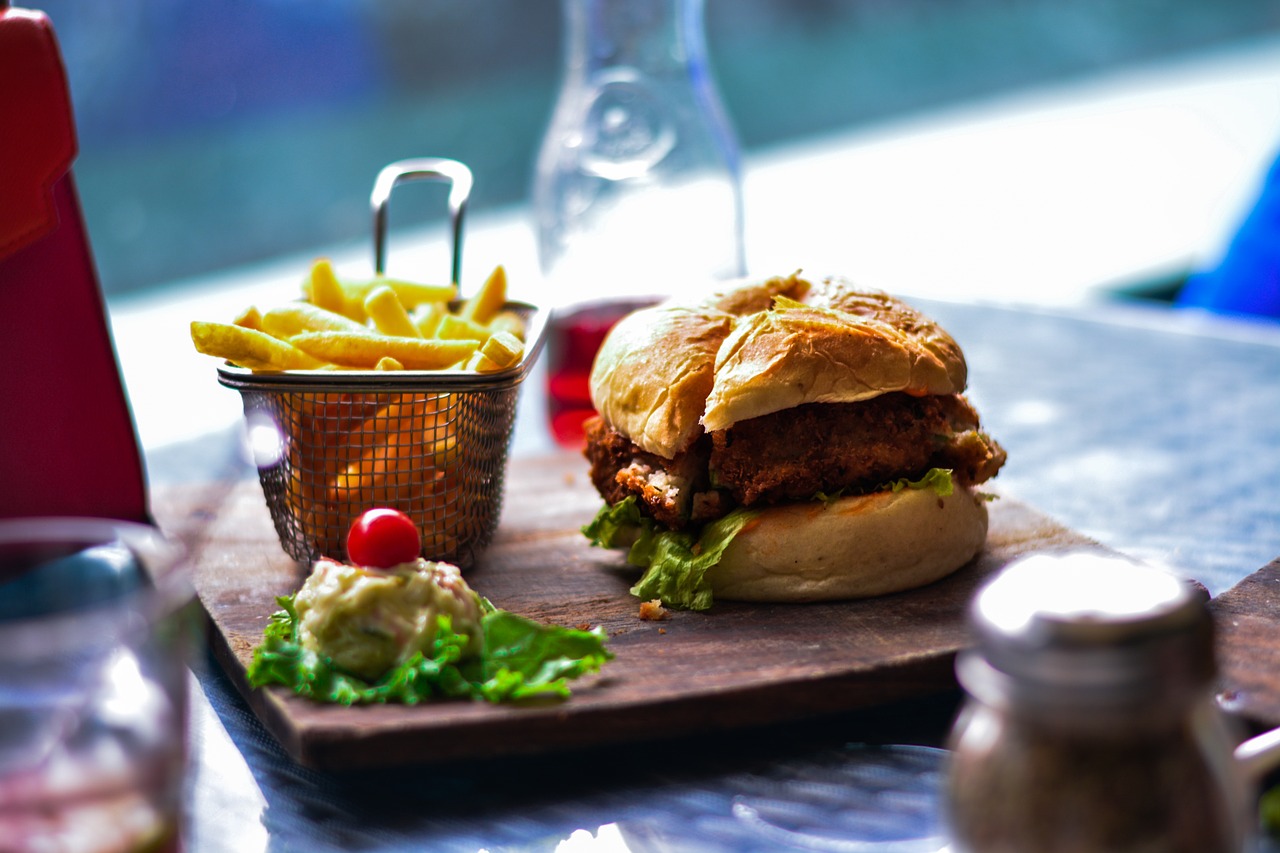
(938, 479)
(520, 660)
(676, 563)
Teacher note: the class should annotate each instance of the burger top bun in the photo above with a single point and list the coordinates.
(654, 371)
(854, 547)
(667, 371)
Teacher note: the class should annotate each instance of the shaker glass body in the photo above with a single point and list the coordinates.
(1089, 724)
(1022, 781)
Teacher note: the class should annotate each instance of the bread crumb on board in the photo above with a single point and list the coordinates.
(653, 611)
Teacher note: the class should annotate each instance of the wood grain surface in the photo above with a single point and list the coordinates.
(1247, 620)
(733, 666)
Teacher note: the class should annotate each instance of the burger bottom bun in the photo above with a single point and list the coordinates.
(854, 547)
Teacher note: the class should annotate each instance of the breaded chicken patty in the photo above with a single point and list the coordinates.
(796, 454)
(851, 447)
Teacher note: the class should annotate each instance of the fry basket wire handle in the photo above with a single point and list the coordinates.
(421, 169)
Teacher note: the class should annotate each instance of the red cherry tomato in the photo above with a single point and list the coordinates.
(382, 538)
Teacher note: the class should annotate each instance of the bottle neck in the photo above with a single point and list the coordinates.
(648, 35)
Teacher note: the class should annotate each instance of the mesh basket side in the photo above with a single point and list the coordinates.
(438, 457)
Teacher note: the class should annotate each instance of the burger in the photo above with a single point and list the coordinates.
(791, 439)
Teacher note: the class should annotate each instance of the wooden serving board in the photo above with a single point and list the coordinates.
(733, 666)
(1247, 620)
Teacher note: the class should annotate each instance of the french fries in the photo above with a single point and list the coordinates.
(324, 289)
(249, 347)
(388, 314)
(379, 324)
(400, 440)
(365, 349)
(489, 300)
(347, 452)
(288, 320)
(410, 293)
(351, 452)
(503, 349)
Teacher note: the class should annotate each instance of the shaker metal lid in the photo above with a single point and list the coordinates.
(1092, 622)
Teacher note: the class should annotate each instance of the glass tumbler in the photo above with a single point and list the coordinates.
(96, 624)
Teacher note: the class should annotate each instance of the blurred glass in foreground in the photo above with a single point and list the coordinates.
(637, 190)
(95, 628)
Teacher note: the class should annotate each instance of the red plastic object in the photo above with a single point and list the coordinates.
(67, 442)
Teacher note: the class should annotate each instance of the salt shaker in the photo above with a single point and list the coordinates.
(1089, 724)
(637, 188)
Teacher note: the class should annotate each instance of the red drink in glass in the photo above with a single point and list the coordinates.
(576, 333)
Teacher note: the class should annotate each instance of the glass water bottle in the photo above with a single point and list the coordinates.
(637, 191)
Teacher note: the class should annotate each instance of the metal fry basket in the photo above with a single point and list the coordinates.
(433, 444)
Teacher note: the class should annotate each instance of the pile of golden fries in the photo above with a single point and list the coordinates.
(347, 452)
(379, 324)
